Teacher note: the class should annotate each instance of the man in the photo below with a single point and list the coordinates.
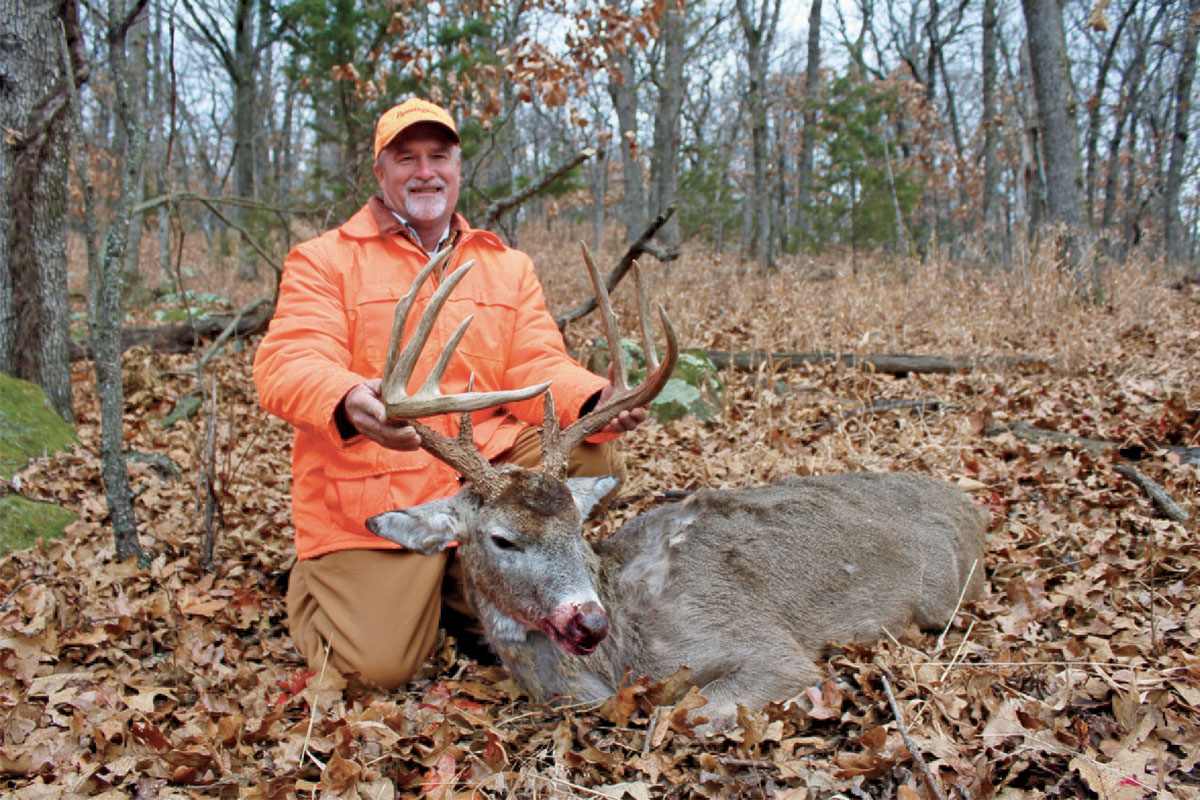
(356, 603)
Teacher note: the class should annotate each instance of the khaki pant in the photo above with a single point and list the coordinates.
(379, 609)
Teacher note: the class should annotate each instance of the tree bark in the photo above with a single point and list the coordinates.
(105, 287)
(1096, 111)
(808, 136)
(34, 114)
(758, 30)
(991, 124)
(669, 79)
(1176, 241)
(622, 88)
(1057, 111)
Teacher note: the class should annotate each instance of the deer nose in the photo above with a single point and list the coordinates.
(588, 625)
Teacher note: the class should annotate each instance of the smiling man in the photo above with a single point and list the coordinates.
(356, 603)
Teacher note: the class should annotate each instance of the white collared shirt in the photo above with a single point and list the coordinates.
(441, 240)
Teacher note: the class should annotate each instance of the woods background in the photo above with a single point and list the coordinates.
(776, 131)
(957, 238)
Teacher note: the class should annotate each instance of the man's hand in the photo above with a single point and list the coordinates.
(627, 420)
(366, 412)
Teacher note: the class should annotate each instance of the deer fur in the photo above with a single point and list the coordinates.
(746, 587)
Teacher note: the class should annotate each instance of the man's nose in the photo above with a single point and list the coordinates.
(424, 169)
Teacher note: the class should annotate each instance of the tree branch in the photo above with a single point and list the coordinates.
(496, 209)
(611, 280)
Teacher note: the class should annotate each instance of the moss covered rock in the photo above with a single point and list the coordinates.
(29, 428)
(23, 522)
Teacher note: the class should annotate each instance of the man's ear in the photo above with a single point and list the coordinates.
(586, 492)
(428, 528)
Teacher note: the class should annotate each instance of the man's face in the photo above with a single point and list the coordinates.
(419, 174)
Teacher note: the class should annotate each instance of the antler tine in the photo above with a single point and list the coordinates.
(554, 457)
(462, 454)
(429, 400)
(401, 318)
(611, 332)
(557, 445)
(648, 349)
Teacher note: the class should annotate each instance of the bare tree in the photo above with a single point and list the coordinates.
(668, 77)
(1057, 110)
(1175, 240)
(991, 123)
(34, 114)
(808, 134)
(105, 280)
(758, 28)
(622, 88)
(241, 58)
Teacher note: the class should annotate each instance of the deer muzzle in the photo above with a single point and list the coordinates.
(578, 629)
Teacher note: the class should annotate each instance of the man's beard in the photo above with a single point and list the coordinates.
(425, 207)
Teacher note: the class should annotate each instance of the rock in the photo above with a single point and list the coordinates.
(29, 428)
(23, 522)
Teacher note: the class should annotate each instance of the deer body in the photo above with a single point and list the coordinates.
(744, 586)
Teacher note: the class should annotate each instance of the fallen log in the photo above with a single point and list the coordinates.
(1133, 452)
(184, 338)
(899, 364)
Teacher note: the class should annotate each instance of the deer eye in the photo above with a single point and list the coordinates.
(504, 543)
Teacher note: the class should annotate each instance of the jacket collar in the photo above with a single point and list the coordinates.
(375, 220)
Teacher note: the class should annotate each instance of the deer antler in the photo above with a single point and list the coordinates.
(557, 445)
(459, 452)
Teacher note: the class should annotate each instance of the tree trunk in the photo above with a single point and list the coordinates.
(105, 288)
(664, 159)
(243, 78)
(34, 113)
(759, 32)
(622, 88)
(1096, 112)
(1057, 111)
(1131, 85)
(812, 78)
(991, 135)
(1176, 244)
(138, 61)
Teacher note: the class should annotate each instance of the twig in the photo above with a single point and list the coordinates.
(966, 584)
(1032, 433)
(312, 717)
(212, 507)
(958, 652)
(1156, 492)
(20, 586)
(909, 743)
(229, 330)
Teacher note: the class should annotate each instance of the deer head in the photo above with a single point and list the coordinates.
(520, 530)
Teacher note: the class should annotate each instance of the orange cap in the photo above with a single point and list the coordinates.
(410, 112)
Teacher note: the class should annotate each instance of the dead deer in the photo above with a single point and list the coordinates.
(746, 587)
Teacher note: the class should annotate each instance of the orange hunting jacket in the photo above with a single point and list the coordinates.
(330, 332)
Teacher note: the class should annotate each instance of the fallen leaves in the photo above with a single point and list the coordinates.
(1076, 675)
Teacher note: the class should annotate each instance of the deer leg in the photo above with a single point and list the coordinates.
(753, 684)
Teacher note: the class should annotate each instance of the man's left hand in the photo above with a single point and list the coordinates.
(626, 420)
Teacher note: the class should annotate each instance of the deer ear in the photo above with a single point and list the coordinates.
(427, 529)
(588, 491)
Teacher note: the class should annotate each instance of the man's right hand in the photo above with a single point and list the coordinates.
(366, 412)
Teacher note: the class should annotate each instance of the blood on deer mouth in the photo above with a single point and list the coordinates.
(577, 629)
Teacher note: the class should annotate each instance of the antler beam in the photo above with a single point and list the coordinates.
(557, 445)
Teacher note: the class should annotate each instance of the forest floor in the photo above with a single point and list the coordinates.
(1077, 674)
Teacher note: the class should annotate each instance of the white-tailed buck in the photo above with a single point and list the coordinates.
(744, 586)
